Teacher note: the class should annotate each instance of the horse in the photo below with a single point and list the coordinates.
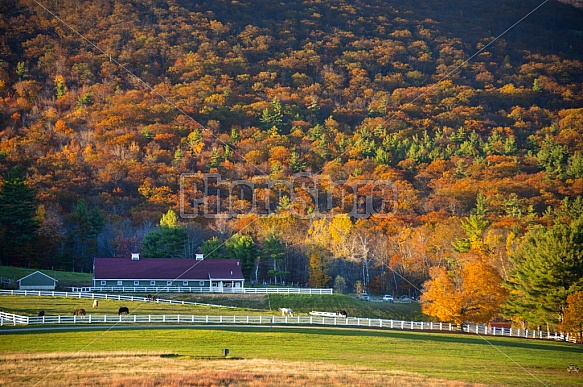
(41, 313)
(286, 311)
(342, 313)
(151, 297)
(95, 304)
(123, 309)
(79, 312)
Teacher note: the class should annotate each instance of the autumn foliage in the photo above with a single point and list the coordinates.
(115, 112)
(471, 292)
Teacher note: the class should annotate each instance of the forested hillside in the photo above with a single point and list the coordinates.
(106, 105)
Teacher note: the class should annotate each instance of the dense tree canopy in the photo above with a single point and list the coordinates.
(371, 143)
(548, 267)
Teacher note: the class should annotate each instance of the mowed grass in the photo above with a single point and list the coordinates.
(455, 357)
(54, 306)
(309, 356)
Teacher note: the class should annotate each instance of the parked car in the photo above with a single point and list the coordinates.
(364, 297)
(388, 298)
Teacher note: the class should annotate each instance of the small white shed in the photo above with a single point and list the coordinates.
(37, 281)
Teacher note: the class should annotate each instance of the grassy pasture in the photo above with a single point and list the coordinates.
(141, 356)
(65, 278)
(240, 304)
(342, 356)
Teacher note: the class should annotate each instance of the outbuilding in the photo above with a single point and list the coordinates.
(37, 281)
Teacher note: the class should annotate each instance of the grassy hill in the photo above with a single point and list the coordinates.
(66, 278)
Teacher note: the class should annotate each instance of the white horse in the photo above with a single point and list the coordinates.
(95, 304)
(286, 311)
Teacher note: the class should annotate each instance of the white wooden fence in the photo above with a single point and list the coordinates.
(103, 296)
(189, 289)
(357, 322)
(314, 318)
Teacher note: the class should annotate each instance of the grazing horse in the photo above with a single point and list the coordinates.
(151, 297)
(286, 311)
(123, 309)
(95, 304)
(342, 313)
(79, 312)
(41, 313)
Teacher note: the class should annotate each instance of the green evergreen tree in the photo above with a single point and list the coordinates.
(18, 224)
(548, 266)
(243, 248)
(552, 157)
(295, 162)
(168, 241)
(212, 248)
(273, 116)
(474, 226)
(273, 253)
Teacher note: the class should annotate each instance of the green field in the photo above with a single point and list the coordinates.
(321, 356)
(471, 359)
(238, 304)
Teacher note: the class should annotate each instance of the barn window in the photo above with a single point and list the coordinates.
(184, 283)
(136, 283)
(103, 283)
(168, 283)
(119, 283)
(152, 283)
(200, 283)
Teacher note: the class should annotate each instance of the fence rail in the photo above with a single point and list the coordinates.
(189, 289)
(358, 322)
(104, 296)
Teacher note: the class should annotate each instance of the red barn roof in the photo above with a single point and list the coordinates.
(166, 269)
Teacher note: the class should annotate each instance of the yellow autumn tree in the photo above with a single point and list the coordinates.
(573, 316)
(471, 293)
(317, 270)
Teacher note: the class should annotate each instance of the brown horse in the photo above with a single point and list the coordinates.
(123, 309)
(79, 312)
(151, 297)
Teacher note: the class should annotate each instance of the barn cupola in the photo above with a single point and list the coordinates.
(199, 257)
(135, 256)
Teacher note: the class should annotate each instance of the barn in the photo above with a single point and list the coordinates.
(192, 275)
(37, 281)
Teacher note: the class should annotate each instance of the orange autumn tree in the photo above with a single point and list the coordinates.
(472, 292)
(573, 316)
